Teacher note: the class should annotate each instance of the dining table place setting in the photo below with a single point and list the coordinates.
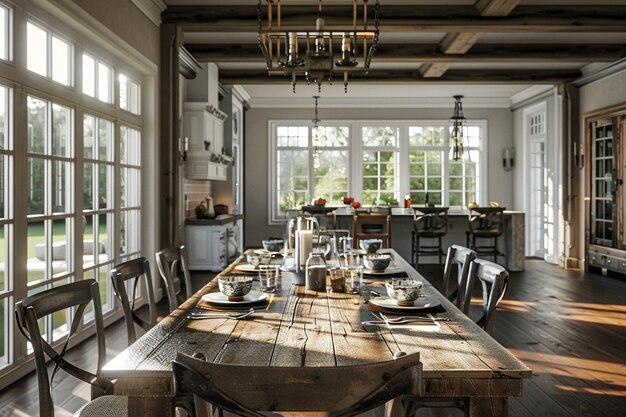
(277, 320)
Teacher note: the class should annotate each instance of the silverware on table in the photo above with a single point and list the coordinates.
(237, 316)
(403, 320)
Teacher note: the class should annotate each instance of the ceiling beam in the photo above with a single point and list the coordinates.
(496, 7)
(410, 19)
(503, 53)
(393, 76)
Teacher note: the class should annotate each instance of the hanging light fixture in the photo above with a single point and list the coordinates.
(319, 55)
(458, 121)
(316, 137)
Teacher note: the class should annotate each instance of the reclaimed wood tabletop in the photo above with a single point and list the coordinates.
(308, 328)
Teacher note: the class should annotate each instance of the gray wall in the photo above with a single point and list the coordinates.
(124, 19)
(500, 135)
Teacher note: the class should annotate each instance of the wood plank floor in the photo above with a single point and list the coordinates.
(569, 327)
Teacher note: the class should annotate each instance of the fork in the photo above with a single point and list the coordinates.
(403, 319)
(238, 316)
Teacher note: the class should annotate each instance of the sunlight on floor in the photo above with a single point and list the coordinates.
(592, 372)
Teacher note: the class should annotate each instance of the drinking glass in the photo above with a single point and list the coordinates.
(354, 275)
(338, 279)
(268, 277)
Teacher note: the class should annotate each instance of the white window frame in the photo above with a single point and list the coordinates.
(50, 34)
(355, 181)
(8, 22)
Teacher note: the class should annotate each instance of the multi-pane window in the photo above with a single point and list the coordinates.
(310, 161)
(130, 192)
(330, 163)
(380, 163)
(97, 79)
(5, 33)
(130, 94)
(48, 55)
(6, 221)
(427, 157)
(433, 175)
(98, 202)
(50, 207)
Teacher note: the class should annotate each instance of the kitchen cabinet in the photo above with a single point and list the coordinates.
(213, 244)
(204, 131)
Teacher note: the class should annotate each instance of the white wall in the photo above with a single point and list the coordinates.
(500, 135)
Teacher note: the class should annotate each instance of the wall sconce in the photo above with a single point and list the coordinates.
(579, 157)
(508, 158)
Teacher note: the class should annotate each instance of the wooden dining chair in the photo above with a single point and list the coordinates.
(461, 257)
(374, 225)
(134, 270)
(250, 390)
(430, 225)
(61, 299)
(494, 280)
(173, 265)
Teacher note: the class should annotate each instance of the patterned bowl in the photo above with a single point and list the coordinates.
(404, 290)
(370, 245)
(235, 288)
(376, 261)
(273, 245)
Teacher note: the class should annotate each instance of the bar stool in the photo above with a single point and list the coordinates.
(487, 224)
(372, 225)
(429, 223)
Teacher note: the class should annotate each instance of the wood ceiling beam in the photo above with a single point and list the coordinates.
(496, 7)
(411, 19)
(461, 42)
(388, 76)
(503, 53)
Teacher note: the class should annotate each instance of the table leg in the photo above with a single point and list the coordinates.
(485, 407)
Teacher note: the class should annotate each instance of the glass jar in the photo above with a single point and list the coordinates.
(315, 275)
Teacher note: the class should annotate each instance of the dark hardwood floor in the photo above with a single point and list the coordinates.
(569, 327)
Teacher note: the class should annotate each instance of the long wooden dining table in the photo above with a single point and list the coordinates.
(308, 328)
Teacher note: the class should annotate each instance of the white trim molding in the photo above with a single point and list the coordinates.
(152, 9)
(370, 102)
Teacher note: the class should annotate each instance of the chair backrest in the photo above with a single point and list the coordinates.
(462, 257)
(432, 220)
(61, 299)
(494, 280)
(250, 390)
(172, 263)
(134, 269)
(382, 219)
(487, 221)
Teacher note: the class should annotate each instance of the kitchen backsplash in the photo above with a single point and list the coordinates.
(195, 193)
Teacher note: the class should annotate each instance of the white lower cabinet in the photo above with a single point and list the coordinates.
(206, 247)
(212, 247)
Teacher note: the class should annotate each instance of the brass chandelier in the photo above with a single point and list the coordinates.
(318, 54)
(458, 121)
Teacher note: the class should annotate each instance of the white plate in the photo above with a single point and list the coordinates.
(250, 298)
(247, 268)
(389, 271)
(266, 252)
(422, 303)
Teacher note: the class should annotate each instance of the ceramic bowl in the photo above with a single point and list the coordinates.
(376, 261)
(404, 290)
(370, 245)
(235, 288)
(256, 259)
(273, 245)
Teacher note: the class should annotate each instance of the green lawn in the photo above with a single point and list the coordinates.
(35, 235)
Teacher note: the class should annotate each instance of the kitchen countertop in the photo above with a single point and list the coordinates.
(228, 218)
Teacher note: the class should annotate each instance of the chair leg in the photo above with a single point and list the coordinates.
(495, 249)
